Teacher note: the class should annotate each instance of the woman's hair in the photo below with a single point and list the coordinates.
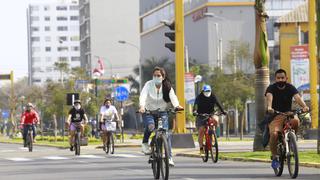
(166, 83)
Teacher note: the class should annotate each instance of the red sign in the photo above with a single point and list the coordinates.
(199, 14)
(299, 52)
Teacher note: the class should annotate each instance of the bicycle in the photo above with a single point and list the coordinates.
(287, 149)
(210, 143)
(29, 138)
(110, 128)
(77, 138)
(159, 156)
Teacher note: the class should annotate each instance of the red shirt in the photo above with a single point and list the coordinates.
(30, 117)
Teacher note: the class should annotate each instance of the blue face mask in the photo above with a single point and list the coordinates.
(157, 80)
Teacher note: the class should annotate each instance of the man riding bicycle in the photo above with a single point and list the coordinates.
(155, 95)
(279, 98)
(204, 104)
(29, 118)
(108, 112)
(78, 117)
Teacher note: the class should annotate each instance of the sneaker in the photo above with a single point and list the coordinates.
(71, 148)
(275, 164)
(201, 152)
(34, 140)
(145, 148)
(171, 163)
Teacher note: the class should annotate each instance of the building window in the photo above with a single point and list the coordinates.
(74, 7)
(36, 59)
(62, 18)
(34, 18)
(63, 59)
(74, 28)
(64, 48)
(74, 18)
(74, 38)
(304, 37)
(34, 8)
(48, 49)
(35, 49)
(61, 8)
(49, 69)
(75, 48)
(35, 39)
(47, 18)
(47, 38)
(34, 28)
(62, 28)
(46, 8)
(75, 58)
(47, 28)
(48, 59)
(62, 38)
(36, 80)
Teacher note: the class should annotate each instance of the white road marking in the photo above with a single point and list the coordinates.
(55, 157)
(125, 155)
(90, 156)
(18, 159)
(7, 150)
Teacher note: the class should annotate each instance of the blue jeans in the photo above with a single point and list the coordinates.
(25, 130)
(149, 124)
(169, 139)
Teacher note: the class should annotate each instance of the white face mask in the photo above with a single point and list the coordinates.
(157, 80)
(78, 106)
(207, 94)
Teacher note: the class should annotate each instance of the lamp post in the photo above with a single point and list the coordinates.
(140, 65)
(218, 39)
(95, 78)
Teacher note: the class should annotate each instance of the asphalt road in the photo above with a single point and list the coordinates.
(127, 164)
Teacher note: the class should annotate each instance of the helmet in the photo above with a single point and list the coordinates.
(29, 104)
(206, 88)
(76, 102)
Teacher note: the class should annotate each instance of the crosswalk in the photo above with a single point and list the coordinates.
(68, 157)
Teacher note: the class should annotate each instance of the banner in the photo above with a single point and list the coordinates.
(189, 91)
(299, 65)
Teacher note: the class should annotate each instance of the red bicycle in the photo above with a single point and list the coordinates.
(210, 142)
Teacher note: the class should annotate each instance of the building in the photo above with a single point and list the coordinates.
(210, 26)
(102, 25)
(53, 36)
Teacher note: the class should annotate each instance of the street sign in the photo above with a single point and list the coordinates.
(5, 76)
(71, 97)
(122, 93)
(5, 114)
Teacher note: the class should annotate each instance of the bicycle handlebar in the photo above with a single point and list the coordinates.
(170, 110)
(211, 114)
(291, 112)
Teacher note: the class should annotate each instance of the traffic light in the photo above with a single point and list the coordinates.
(119, 81)
(171, 35)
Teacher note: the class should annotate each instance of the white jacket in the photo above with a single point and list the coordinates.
(152, 99)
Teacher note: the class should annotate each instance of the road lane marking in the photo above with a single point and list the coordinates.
(90, 156)
(18, 159)
(124, 155)
(7, 150)
(55, 158)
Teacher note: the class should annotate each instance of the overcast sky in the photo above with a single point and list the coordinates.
(13, 32)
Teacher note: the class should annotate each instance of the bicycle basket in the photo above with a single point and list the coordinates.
(111, 126)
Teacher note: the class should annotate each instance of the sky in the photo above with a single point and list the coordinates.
(13, 33)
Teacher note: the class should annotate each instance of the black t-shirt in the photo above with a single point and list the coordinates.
(282, 98)
(206, 104)
(76, 115)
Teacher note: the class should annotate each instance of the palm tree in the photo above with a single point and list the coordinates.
(261, 62)
(62, 67)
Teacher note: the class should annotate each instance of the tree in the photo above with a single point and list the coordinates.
(261, 62)
(63, 67)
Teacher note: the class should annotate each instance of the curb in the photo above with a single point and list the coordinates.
(312, 165)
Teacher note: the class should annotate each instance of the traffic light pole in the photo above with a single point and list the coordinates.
(179, 48)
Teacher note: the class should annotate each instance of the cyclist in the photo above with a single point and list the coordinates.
(77, 116)
(279, 98)
(204, 104)
(155, 95)
(29, 118)
(108, 112)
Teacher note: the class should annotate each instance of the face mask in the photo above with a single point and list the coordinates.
(107, 106)
(157, 80)
(77, 107)
(281, 84)
(207, 94)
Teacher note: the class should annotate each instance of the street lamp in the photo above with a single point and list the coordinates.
(140, 68)
(95, 78)
(219, 40)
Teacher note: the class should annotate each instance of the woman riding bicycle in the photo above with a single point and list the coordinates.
(204, 104)
(29, 118)
(155, 95)
(108, 112)
(78, 117)
(279, 98)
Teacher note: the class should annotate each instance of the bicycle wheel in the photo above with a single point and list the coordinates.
(110, 145)
(292, 156)
(205, 157)
(155, 165)
(30, 141)
(214, 147)
(164, 157)
(77, 144)
(281, 154)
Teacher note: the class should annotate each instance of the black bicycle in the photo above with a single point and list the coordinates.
(77, 139)
(287, 148)
(159, 156)
(29, 138)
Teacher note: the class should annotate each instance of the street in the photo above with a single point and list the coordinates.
(127, 163)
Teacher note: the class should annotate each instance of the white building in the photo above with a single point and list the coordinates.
(53, 36)
(103, 23)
